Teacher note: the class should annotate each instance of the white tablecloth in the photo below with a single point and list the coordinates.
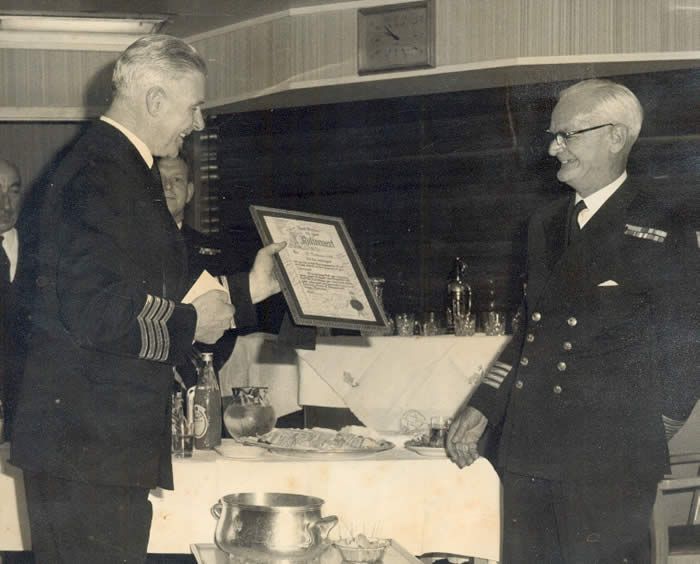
(426, 505)
(382, 378)
(378, 378)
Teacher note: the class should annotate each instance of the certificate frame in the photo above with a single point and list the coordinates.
(363, 309)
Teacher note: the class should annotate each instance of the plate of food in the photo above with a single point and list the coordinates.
(421, 445)
(320, 442)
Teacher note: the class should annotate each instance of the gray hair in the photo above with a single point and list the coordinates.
(153, 58)
(611, 102)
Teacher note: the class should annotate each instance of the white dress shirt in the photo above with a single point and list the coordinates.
(596, 200)
(10, 243)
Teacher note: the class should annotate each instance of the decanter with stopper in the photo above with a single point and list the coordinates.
(459, 294)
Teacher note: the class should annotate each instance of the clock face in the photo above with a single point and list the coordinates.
(395, 38)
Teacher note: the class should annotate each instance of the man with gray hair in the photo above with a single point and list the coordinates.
(603, 371)
(15, 273)
(92, 432)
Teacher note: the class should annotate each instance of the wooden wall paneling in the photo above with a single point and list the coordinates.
(323, 45)
(470, 31)
(33, 147)
(37, 78)
(247, 60)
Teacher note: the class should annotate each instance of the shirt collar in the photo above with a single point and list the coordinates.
(10, 242)
(141, 147)
(596, 200)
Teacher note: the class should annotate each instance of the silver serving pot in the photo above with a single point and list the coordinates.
(266, 526)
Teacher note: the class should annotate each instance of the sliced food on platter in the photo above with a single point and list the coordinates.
(320, 440)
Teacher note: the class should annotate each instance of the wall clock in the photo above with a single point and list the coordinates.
(396, 37)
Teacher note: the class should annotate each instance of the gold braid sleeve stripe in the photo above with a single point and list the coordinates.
(153, 319)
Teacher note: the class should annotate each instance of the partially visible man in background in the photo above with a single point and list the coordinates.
(203, 253)
(14, 295)
(604, 371)
(92, 430)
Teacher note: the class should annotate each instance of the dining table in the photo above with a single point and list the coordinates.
(425, 503)
(393, 385)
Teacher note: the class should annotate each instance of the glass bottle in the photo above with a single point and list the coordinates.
(181, 431)
(459, 294)
(207, 406)
(378, 288)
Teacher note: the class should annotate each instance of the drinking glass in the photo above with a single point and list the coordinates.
(405, 324)
(439, 426)
(182, 439)
(465, 325)
(495, 323)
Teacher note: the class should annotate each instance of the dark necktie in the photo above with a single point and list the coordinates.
(574, 228)
(4, 266)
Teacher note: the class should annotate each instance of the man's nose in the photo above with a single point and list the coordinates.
(554, 148)
(5, 202)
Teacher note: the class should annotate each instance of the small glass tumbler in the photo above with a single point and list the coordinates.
(182, 439)
(495, 323)
(439, 426)
(430, 325)
(465, 325)
(405, 324)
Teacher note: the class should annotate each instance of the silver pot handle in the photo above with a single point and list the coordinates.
(324, 526)
(216, 510)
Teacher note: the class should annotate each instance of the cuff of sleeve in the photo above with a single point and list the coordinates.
(239, 290)
(671, 426)
(182, 325)
(486, 400)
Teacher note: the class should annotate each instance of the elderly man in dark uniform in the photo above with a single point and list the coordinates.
(92, 431)
(604, 370)
(15, 273)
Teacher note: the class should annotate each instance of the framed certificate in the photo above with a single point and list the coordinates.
(321, 276)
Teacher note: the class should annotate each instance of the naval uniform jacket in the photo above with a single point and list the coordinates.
(15, 303)
(608, 346)
(108, 322)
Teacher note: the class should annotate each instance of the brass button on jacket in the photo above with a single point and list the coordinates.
(530, 337)
(567, 346)
(519, 384)
(524, 361)
(557, 389)
(536, 316)
(572, 321)
(561, 366)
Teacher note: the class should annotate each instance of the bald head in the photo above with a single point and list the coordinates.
(11, 195)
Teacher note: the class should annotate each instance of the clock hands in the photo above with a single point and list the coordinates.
(389, 32)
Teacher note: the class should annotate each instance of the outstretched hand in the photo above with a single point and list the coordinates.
(463, 436)
(263, 283)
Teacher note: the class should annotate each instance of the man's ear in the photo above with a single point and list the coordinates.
(155, 100)
(190, 192)
(619, 136)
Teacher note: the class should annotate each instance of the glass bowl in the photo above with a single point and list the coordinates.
(351, 552)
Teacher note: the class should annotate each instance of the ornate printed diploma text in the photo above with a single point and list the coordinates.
(320, 269)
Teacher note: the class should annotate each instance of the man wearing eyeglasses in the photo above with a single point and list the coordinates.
(603, 373)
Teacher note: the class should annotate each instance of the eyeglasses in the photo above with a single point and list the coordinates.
(561, 137)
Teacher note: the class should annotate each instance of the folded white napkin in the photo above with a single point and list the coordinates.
(382, 378)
